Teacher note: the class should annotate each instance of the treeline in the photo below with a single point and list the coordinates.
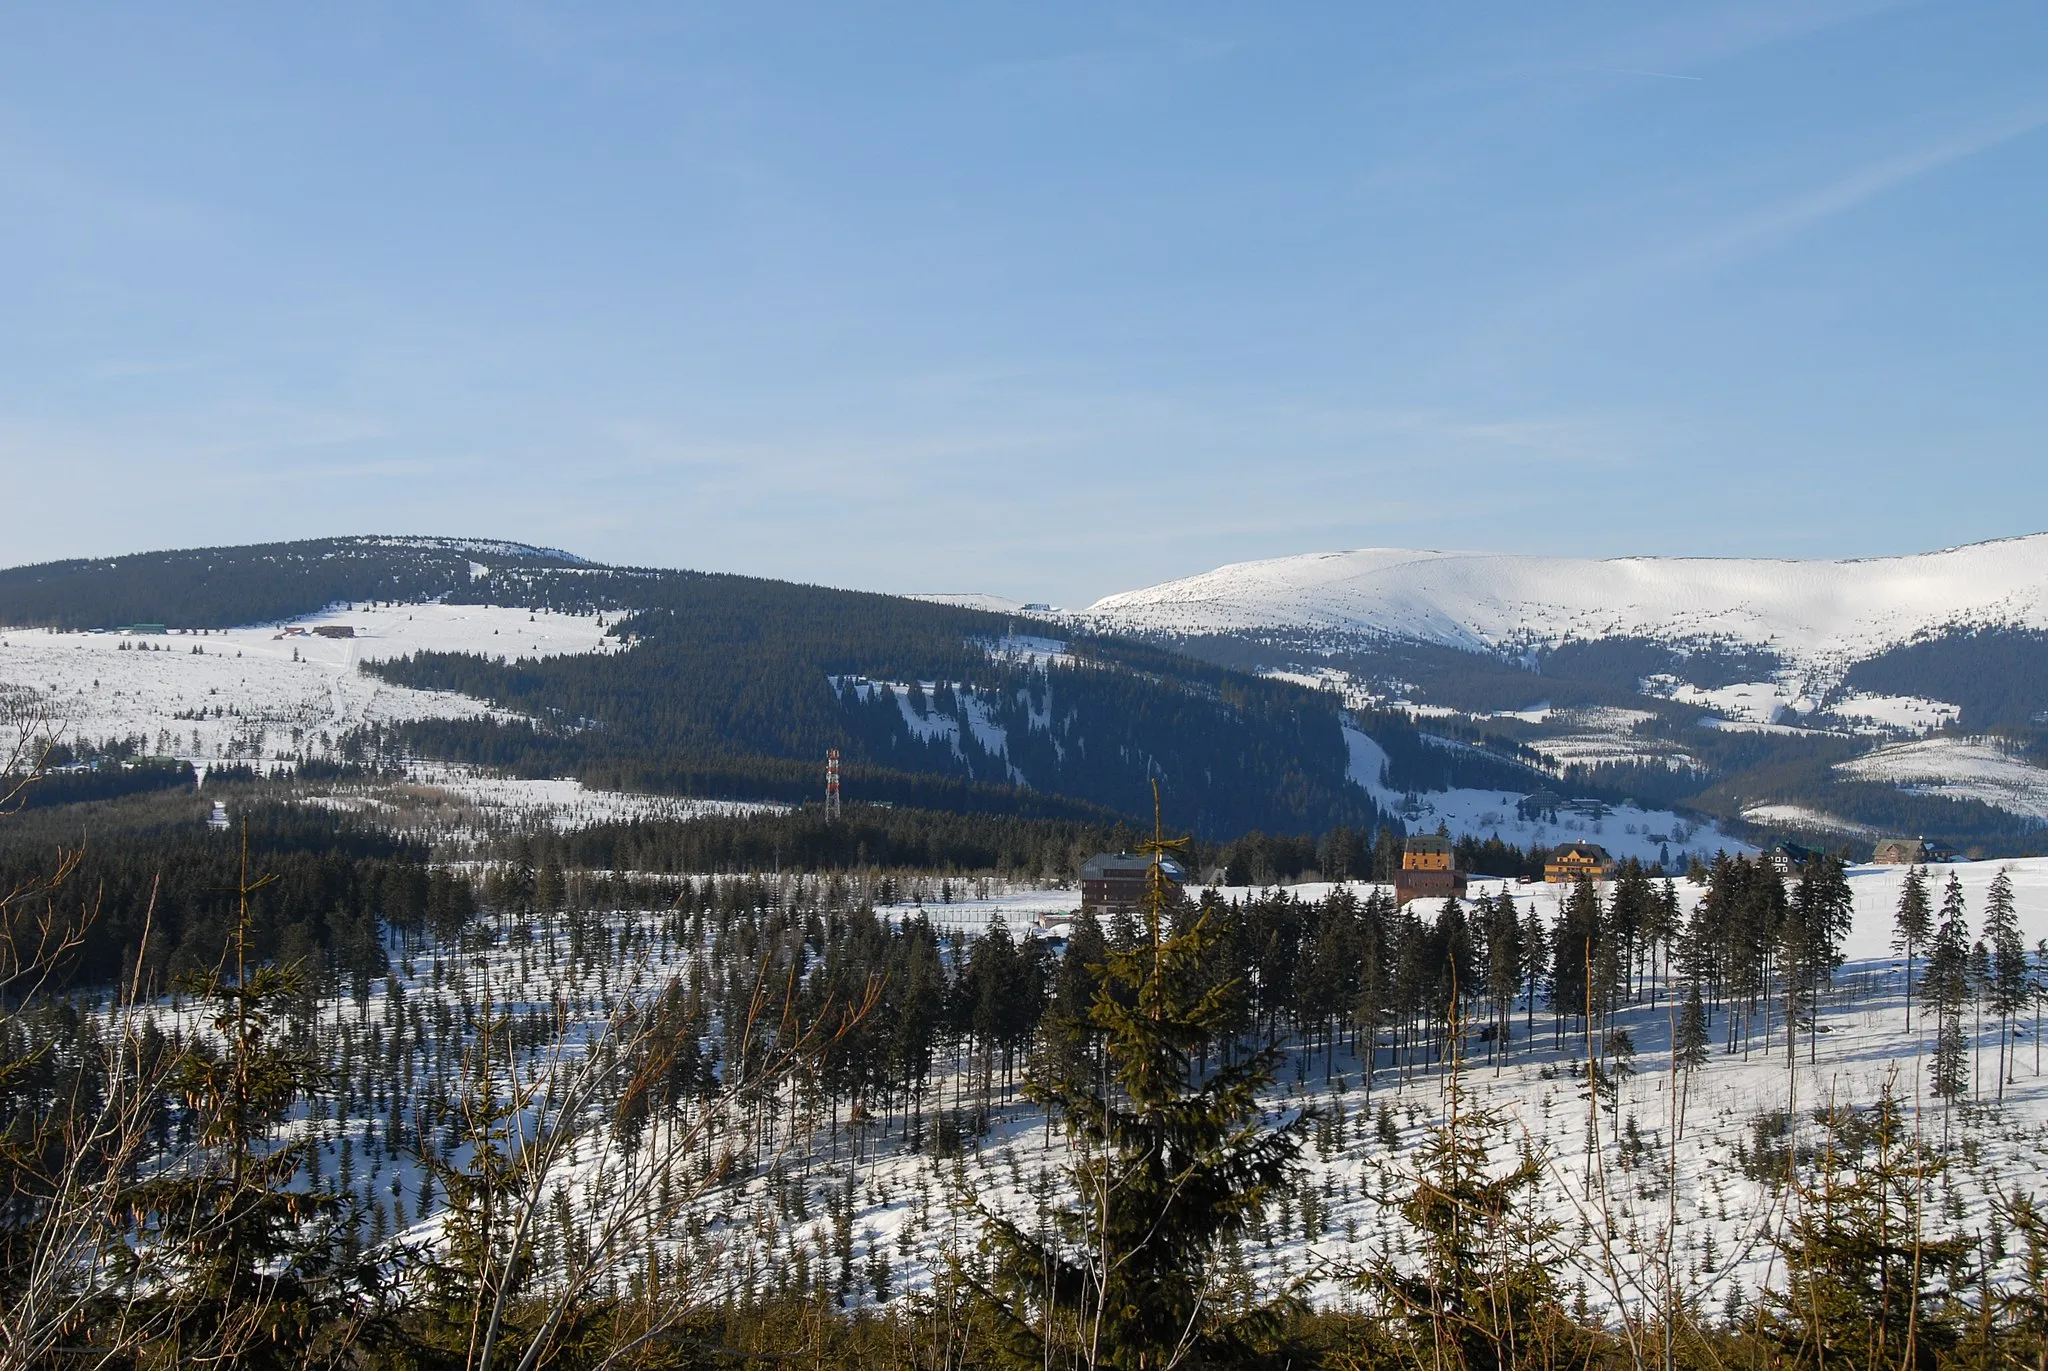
(148, 880)
(866, 837)
(870, 837)
(1651, 784)
(526, 750)
(62, 785)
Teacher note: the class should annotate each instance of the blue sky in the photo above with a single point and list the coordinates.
(1038, 299)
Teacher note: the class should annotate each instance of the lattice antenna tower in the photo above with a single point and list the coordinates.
(832, 784)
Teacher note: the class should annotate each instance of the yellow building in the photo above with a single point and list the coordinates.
(1427, 870)
(1574, 860)
(1426, 853)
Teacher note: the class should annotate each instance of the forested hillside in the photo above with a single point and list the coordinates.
(736, 687)
(1998, 676)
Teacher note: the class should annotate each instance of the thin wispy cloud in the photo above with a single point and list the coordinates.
(1774, 222)
(1696, 36)
(1659, 75)
(1853, 189)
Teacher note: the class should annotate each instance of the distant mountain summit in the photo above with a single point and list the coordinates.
(219, 587)
(1806, 612)
(1850, 697)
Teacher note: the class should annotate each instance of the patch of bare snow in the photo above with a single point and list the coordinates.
(254, 693)
(1900, 713)
(1803, 816)
(1625, 830)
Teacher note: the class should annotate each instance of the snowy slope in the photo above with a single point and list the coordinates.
(445, 799)
(912, 1207)
(1649, 835)
(252, 694)
(1962, 768)
(1814, 612)
(1716, 1213)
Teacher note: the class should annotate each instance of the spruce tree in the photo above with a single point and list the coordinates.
(1689, 1037)
(1827, 908)
(1912, 926)
(1980, 990)
(1477, 1289)
(1369, 1011)
(1661, 931)
(1689, 1040)
(1170, 1167)
(1067, 1036)
(1535, 956)
(2038, 989)
(1867, 1283)
(2010, 985)
(1574, 952)
(1328, 979)
(1504, 966)
(2023, 1303)
(486, 1262)
(243, 1260)
(1947, 989)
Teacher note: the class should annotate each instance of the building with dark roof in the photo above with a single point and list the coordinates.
(1116, 880)
(1574, 860)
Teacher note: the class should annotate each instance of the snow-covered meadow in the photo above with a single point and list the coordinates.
(257, 693)
(266, 694)
(447, 800)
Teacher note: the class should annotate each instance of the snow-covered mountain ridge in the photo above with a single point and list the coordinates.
(1811, 613)
(489, 547)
